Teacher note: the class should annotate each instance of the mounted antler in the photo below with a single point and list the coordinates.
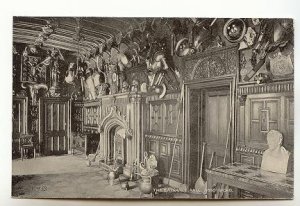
(33, 89)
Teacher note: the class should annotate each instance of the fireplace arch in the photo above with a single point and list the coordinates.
(112, 125)
(117, 145)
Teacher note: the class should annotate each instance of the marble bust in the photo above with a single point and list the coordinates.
(276, 157)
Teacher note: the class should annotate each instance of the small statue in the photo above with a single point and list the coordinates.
(135, 86)
(70, 74)
(125, 86)
(275, 159)
(102, 90)
(90, 85)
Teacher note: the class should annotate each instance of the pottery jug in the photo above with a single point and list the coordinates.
(125, 185)
(146, 185)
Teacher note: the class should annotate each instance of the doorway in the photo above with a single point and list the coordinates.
(54, 130)
(207, 120)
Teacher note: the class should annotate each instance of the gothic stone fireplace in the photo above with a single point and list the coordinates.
(117, 119)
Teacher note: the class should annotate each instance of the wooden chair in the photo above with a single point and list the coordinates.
(26, 143)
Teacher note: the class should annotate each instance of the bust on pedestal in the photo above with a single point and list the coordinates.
(275, 159)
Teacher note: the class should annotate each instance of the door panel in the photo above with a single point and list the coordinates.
(55, 125)
(209, 117)
(217, 122)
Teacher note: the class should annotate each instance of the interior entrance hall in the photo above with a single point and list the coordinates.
(155, 108)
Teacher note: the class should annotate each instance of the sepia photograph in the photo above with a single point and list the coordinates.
(152, 108)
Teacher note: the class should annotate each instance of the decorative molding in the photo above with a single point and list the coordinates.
(267, 88)
(170, 96)
(92, 130)
(91, 103)
(249, 150)
(164, 138)
(78, 104)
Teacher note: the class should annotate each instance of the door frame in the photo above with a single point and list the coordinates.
(42, 122)
(229, 80)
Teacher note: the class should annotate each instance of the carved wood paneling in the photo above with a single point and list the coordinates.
(164, 116)
(156, 117)
(162, 147)
(92, 116)
(171, 115)
(77, 117)
(289, 122)
(264, 116)
(209, 64)
(261, 113)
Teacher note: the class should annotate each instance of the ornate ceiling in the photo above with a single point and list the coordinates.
(93, 31)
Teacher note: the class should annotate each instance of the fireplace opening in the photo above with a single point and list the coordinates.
(117, 146)
(92, 141)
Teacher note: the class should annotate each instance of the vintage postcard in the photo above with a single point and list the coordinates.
(153, 108)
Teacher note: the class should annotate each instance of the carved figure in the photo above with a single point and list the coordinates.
(275, 159)
(90, 85)
(135, 86)
(125, 86)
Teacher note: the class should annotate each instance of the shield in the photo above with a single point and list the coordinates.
(125, 56)
(182, 48)
(114, 52)
(234, 30)
(106, 57)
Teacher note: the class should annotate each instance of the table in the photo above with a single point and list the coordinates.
(250, 178)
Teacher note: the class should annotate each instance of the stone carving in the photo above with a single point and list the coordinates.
(116, 116)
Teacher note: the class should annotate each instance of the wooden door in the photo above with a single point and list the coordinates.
(217, 115)
(55, 126)
(209, 117)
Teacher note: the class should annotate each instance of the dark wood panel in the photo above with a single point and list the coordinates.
(163, 151)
